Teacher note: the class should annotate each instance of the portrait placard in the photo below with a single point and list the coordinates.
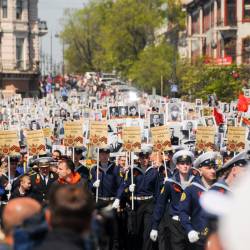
(236, 137)
(161, 138)
(47, 132)
(36, 142)
(9, 144)
(131, 137)
(73, 134)
(99, 133)
(205, 137)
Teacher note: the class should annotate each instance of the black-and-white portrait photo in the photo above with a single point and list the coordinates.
(231, 122)
(123, 111)
(63, 113)
(198, 102)
(226, 108)
(113, 112)
(247, 92)
(156, 120)
(115, 143)
(173, 136)
(133, 111)
(34, 125)
(209, 121)
(188, 129)
(174, 112)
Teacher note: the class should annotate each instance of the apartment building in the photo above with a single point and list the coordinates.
(20, 32)
(218, 30)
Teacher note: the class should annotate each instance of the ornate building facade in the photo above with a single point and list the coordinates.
(219, 30)
(20, 32)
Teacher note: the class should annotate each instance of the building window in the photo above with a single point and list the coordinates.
(19, 9)
(219, 13)
(195, 23)
(206, 19)
(5, 8)
(19, 52)
(246, 10)
(246, 50)
(230, 13)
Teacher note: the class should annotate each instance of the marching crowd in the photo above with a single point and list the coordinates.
(139, 201)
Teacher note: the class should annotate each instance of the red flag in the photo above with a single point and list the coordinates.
(246, 121)
(242, 103)
(218, 117)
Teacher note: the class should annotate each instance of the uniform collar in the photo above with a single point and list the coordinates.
(222, 184)
(198, 183)
(105, 169)
(177, 180)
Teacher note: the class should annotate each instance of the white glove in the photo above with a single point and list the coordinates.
(8, 187)
(96, 184)
(132, 188)
(116, 204)
(193, 236)
(153, 235)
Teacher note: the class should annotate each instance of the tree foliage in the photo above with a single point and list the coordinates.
(107, 35)
(153, 63)
(128, 29)
(81, 35)
(200, 80)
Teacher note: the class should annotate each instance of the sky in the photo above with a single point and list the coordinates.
(52, 12)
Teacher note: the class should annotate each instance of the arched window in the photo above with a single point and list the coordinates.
(19, 9)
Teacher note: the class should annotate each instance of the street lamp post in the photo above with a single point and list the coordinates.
(51, 53)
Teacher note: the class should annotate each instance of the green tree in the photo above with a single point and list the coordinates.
(200, 80)
(153, 63)
(80, 34)
(128, 29)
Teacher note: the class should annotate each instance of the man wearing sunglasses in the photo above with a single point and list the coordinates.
(192, 216)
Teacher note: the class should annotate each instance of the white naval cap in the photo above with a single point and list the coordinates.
(233, 213)
(207, 158)
(146, 149)
(242, 159)
(183, 155)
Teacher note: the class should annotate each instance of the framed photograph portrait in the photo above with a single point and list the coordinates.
(210, 121)
(198, 102)
(156, 120)
(113, 112)
(123, 111)
(231, 122)
(174, 112)
(133, 111)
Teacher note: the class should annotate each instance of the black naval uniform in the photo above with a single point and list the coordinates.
(110, 189)
(146, 190)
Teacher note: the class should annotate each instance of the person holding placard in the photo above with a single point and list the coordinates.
(172, 191)
(109, 183)
(146, 181)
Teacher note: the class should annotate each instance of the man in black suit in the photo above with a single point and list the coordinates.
(156, 121)
(42, 181)
(174, 139)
